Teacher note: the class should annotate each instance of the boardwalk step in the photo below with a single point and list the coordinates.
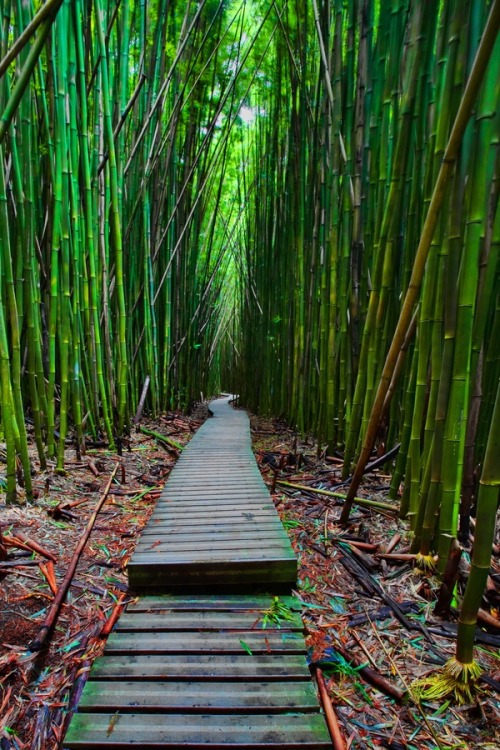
(200, 697)
(208, 667)
(184, 621)
(210, 572)
(117, 731)
(229, 603)
(186, 671)
(259, 642)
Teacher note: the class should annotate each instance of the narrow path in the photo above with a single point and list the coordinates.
(215, 523)
(218, 670)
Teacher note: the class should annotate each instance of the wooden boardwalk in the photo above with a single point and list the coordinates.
(215, 523)
(185, 670)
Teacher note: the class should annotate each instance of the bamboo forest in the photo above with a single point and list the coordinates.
(294, 201)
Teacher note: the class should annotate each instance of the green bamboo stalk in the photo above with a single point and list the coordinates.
(473, 84)
(116, 231)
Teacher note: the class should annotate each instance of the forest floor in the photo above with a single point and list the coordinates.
(350, 595)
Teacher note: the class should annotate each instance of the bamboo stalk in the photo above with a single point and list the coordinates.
(338, 741)
(47, 626)
(358, 500)
(461, 120)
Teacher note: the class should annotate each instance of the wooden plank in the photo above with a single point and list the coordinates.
(223, 516)
(228, 505)
(224, 509)
(217, 498)
(204, 527)
(225, 602)
(213, 535)
(145, 572)
(240, 518)
(167, 546)
(224, 558)
(258, 641)
(164, 620)
(199, 481)
(199, 697)
(219, 490)
(111, 730)
(197, 526)
(210, 667)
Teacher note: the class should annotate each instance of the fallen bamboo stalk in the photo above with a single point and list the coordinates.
(60, 508)
(336, 735)
(375, 464)
(370, 675)
(12, 541)
(365, 546)
(161, 438)
(488, 619)
(45, 629)
(50, 576)
(401, 557)
(393, 544)
(372, 587)
(34, 546)
(375, 504)
(112, 619)
(367, 561)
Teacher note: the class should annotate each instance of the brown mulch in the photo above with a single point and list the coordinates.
(346, 588)
(342, 606)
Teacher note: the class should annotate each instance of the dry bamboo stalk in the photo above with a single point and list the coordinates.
(338, 740)
(45, 629)
(393, 544)
(34, 546)
(112, 619)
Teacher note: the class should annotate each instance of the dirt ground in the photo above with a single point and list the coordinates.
(351, 596)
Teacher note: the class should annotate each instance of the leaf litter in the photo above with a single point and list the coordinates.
(369, 616)
(40, 690)
(350, 596)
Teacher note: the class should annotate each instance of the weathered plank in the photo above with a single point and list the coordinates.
(205, 526)
(166, 545)
(199, 697)
(257, 641)
(210, 536)
(164, 620)
(145, 572)
(209, 667)
(115, 730)
(225, 602)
